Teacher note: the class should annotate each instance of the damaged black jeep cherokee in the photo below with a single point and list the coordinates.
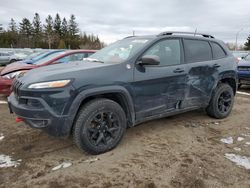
(131, 81)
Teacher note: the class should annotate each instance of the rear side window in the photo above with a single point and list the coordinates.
(218, 52)
(197, 50)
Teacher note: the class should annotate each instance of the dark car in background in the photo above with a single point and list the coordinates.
(52, 57)
(126, 83)
(239, 54)
(244, 70)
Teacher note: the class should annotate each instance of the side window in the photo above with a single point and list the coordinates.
(88, 54)
(76, 57)
(197, 50)
(218, 52)
(65, 59)
(168, 51)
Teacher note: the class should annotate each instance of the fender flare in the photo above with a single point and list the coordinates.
(98, 91)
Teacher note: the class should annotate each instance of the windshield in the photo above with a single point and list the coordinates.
(35, 56)
(48, 58)
(119, 51)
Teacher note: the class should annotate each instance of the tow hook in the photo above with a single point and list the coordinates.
(18, 120)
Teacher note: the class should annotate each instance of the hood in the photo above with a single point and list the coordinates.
(244, 63)
(16, 66)
(61, 71)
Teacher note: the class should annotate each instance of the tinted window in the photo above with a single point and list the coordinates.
(218, 52)
(197, 50)
(167, 50)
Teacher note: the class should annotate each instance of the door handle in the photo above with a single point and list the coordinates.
(178, 70)
(216, 65)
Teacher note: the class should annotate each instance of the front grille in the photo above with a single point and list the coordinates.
(244, 68)
(16, 85)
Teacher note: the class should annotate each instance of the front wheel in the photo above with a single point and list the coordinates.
(99, 127)
(222, 101)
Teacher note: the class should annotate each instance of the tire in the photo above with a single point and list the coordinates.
(239, 86)
(222, 101)
(100, 126)
(12, 60)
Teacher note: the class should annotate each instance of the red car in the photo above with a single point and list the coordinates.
(8, 73)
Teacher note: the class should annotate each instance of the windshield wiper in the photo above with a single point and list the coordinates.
(93, 60)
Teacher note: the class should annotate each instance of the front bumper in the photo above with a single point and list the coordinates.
(5, 86)
(38, 114)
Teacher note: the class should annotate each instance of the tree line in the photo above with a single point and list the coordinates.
(54, 33)
(247, 44)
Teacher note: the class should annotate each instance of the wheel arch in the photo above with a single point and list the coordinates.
(116, 93)
(230, 78)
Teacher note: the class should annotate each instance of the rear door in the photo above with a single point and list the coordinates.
(202, 72)
(160, 88)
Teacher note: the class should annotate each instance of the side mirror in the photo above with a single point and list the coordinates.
(149, 60)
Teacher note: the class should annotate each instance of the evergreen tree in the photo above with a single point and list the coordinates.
(1, 28)
(48, 30)
(73, 26)
(64, 27)
(13, 33)
(247, 44)
(58, 25)
(37, 25)
(12, 26)
(26, 32)
(53, 34)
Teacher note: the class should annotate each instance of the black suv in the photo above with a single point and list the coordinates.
(131, 81)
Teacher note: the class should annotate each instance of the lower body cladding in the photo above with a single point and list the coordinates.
(41, 117)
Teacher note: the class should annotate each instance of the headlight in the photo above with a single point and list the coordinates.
(13, 74)
(52, 84)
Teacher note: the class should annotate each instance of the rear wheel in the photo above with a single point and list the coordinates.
(100, 126)
(222, 101)
(12, 60)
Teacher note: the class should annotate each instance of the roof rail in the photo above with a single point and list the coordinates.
(129, 37)
(186, 33)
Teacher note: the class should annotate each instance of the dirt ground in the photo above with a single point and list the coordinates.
(180, 151)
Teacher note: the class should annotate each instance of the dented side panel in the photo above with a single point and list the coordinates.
(158, 89)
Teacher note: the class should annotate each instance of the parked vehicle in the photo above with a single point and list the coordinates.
(131, 81)
(239, 54)
(59, 56)
(6, 58)
(8, 73)
(244, 70)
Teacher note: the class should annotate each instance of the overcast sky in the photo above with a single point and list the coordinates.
(114, 19)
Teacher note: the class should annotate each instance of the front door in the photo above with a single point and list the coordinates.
(161, 88)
